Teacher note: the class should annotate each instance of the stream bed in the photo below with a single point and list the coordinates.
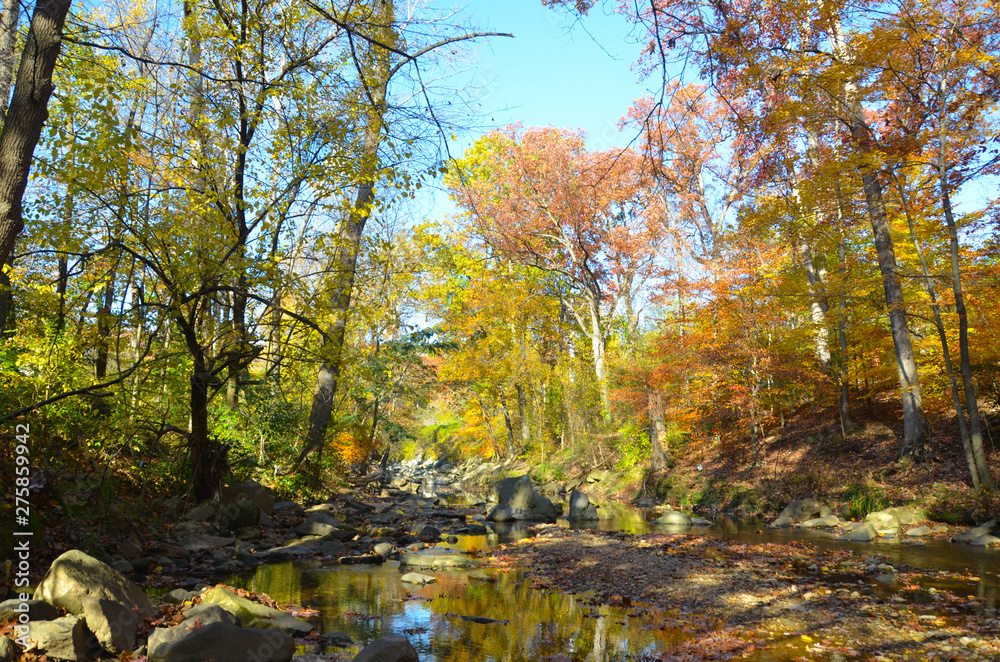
(367, 602)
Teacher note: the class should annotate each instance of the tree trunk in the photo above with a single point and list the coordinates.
(659, 458)
(8, 51)
(104, 319)
(345, 267)
(980, 469)
(599, 348)
(846, 425)
(27, 114)
(522, 413)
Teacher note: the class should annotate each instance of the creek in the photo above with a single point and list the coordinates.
(367, 602)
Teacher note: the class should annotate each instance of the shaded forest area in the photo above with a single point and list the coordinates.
(786, 285)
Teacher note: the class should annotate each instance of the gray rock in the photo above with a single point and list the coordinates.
(114, 626)
(220, 642)
(906, 514)
(985, 540)
(240, 514)
(338, 639)
(971, 534)
(251, 491)
(333, 548)
(821, 522)
(884, 522)
(122, 566)
(498, 513)
(61, 639)
(75, 576)
(254, 615)
(201, 514)
(37, 610)
(797, 512)
(383, 548)
(580, 508)
(436, 560)
(387, 649)
(919, 531)
(427, 532)
(863, 533)
(8, 650)
(315, 529)
(673, 517)
(190, 528)
(205, 614)
(597, 476)
(244, 553)
(178, 596)
(130, 549)
(323, 517)
(288, 509)
(417, 578)
(200, 542)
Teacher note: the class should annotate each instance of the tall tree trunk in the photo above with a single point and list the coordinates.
(846, 425)
(942, 336)
(27, 114)
(659, 458)
(8, 58)
(104, 319)
(818, 306)
(981, 470)
(522, 413)
(599, 348)
(375, 77)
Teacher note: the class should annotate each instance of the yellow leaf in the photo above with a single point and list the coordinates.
(806, 638)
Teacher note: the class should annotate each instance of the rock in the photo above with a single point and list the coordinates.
(323, 517)
(37, 610)
(253, 492)
(673, 517)
(971, 534)
(797, 512)
(906, 514)
(580, 508)
(201, 615)
(338, 639)
(240, 514)
(75, 576)
(288, 509)
(387, 649)
(201, 543)
(8, 650)
(427, 532)
(597, 476)
(122, 566)
(113, 624)
(220, 642)
(887, 579)
(417, 578)
(201, 514)
(436, 560)
(863, 533)
(61, 639)
(884, 522)
(383, 548)
(169, 550)
(821, 522)
(178, 596)
(985, 540)
(254, 615)
(189, 528)
(919, 531)
(500, 513)
(333, 548)
(130, 549)
(245, 555)
(314, 529)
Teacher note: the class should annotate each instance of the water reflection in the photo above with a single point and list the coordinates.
(372, 602)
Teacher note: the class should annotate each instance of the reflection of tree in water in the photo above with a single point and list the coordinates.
(369, 603)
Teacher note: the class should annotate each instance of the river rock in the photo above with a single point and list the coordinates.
(112, 623)
(254, 615)
(598, 476)
(288, 509)
(863, 533)
(971, 534)
(417, 578)
(75, 576)
(61, 639)
(580, 508)
(202, 614)
(885, 523)
(388, 649)
(9, 651)
(252, 491)
(199, 542)
(239, 514)
(436, 560)
(985, 540)
(201, 513)
(333, 549)
(821, 522)
(192, 528)
(220, 642)
(517, 500)
(800, 511)
(673, 518)
(906, 514)
(37, 610)
(918, 531)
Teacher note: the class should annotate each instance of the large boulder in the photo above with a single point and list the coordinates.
(800, 511)
(60, 639)
(969, 535)
(220, 642)
(254, 615)
(75, 576)
(580, 508)
(517, 500)
(387, 649)
(864, 533)
(436, 560)
(201, 615)
(251, 491)
(884, 522)
(112, 623)
(240, 514)
(673, 518)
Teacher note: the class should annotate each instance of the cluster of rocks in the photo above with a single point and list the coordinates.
(887, 524)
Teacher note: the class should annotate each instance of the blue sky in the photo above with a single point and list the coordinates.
(557, 71)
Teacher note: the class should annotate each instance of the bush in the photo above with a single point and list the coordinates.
(865, 498)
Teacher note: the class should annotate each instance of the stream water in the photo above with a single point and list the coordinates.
(367, 602)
